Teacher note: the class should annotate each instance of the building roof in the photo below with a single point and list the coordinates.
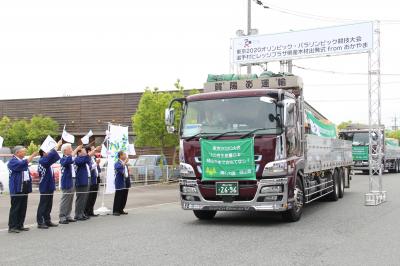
(79, 113)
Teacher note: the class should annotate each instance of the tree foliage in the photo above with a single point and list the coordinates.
(24, 132)
(32, 148)
(148, 121)
(41, 126)
(343, 125)
(393, 134)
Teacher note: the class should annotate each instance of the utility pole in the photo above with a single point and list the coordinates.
(249, 28)
(395, 122)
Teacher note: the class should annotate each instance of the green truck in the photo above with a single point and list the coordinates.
(359, 136)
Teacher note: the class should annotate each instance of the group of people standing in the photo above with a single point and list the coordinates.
(80, 175)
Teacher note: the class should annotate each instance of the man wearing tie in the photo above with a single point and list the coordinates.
(122, 184)
(20, 185)
(83, 174)
(67, 182)
(46, 186)
(94, 184)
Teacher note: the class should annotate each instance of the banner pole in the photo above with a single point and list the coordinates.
(103, 210)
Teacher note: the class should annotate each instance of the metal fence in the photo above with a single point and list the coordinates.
(138, 175)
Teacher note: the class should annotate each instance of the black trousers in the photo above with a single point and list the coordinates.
(19, 203)
(120, 199)
(44, 209)
(91, 200)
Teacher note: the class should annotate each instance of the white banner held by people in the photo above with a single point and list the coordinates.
(67, 136)
(336, 40)
(48, 144)
(118, 141)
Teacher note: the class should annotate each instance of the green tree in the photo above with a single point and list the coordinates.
(148, 121)
(393, 134)
(32, 148)
(5, 124)
(17, 134)
(343, 125)
(41, 126)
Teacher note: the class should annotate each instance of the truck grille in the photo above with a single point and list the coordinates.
(257, 160)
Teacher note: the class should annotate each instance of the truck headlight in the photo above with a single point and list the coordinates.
(186, 170)
(276, 168)
(271, 189)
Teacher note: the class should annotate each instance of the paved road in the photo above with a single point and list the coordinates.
(329, 233)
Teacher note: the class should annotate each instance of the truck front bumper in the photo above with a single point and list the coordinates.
(194, 200)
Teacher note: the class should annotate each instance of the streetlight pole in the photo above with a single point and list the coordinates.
(249, 28)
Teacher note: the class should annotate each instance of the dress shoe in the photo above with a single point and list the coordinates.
(86, 217)
(42, 226)
(70, 220)
(13, 231)
(23, 229)
(124, 213)
(64, 222)
(80, 218)
(51, 224)
(116, 214)
(93, 215)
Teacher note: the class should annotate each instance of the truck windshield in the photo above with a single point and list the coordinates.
(361, 138)
(232, 116)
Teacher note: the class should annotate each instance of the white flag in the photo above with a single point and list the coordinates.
(68, 137)
(85, 139)
(1, 142)
(48, 144)
(131, 149)
(103, 151)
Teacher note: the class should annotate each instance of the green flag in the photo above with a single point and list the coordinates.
(228, 159)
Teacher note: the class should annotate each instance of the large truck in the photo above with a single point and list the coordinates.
(256, 145)
(358, 134)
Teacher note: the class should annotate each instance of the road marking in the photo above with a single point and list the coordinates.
(131, 209)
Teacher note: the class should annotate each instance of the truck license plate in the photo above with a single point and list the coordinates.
(227, 188)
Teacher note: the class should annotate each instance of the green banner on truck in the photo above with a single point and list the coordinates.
(228, 159)
(360, 153)
(319, 128)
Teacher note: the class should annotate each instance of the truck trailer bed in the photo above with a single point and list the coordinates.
(326, 153)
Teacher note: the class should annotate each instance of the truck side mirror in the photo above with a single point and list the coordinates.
(170, 120)
(288, 107)
(169, 116)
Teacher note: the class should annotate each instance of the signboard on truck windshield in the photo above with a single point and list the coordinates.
(337, 40)
(228, 159)
(360, 153)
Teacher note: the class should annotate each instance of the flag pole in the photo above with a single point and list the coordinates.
(103, 210)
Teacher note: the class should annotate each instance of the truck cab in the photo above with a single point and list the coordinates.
(270, 111)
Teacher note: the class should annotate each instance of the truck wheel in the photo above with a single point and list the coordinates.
(397, 166)
(294, 214)
(204, 215)
(334, 195)
(1, 188)
(341, 183)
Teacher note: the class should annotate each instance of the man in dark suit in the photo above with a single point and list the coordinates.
(47, 186)
(122, 184)
(20, 184)
(94, 184)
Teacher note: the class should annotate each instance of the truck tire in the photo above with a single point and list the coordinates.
(205, 215)
(341, 182)
(397, 166)
(294, 214)
(334, 195)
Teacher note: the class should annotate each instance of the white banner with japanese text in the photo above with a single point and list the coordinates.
(336, 40)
